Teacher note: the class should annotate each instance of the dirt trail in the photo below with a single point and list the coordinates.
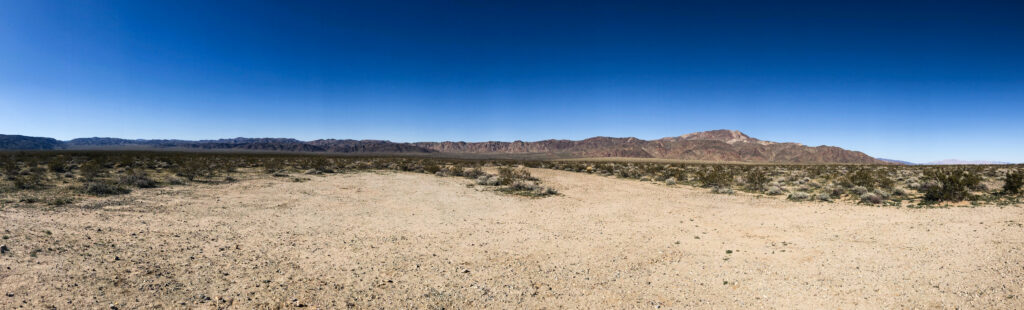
(387, 240)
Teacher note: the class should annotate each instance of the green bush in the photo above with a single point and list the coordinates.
(756, 179)
(717, 176)
(951, 184)
(507, 176)
(1014, 182)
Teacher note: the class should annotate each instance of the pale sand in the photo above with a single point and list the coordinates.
(388, 240)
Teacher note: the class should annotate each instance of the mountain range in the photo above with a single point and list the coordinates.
(715, 145)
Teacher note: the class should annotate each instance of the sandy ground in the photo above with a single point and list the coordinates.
(390, 240)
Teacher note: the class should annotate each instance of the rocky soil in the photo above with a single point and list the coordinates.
(403, 240)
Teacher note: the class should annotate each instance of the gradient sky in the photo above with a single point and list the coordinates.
(916, 81)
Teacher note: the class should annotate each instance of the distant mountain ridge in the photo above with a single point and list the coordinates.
(966, 162)
(715, 145)
(896, 161)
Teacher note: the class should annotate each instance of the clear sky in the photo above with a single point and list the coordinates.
(916, 81)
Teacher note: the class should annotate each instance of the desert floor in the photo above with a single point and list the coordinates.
(403, 240)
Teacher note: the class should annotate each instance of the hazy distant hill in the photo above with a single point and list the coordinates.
(16, 142)
(716, 145)
(966, 162)
(896, 161)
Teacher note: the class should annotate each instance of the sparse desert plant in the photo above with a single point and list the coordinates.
(431, 168)
(799, 196)
(507, 176)
(60, 200)
(454, 170)
(871, 198)
(173, 180)
(528, 188)
(28, 181)
(57, 165)
(834, 192)
(1014, 182)
(90, 170)
(717, 176)
(953, 184)
(756, 179)
(105, 189)
(489, 180)
(774, 190)
(473, 173)
(9, 166)
(138, 179)
(723, 190)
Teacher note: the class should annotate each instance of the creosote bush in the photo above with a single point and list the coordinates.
(36, 173)
(1014, 182)
(717, 176)
(105, 189)
(507, 176)
(953, 184)
(756, 179)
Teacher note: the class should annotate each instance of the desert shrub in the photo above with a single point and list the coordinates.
(799, 196)
(105, 189)
(722, 190)
(28, 181)
(952, 184)
(431, 168)
(487, 179)
(881, 193)
(9, 166)
(273, 165)
(717, 176)
(57, 165)
(473, 173)
(859, 190)
(91, 170)
(60, 200)
(520, 185)
(138, 179)
(188, 170)
(454, 170)
(774, 190)
(834, 192)
(528, 188)
(545, 191)
(860, 178)
(756, 179)
(1014, 182)
(871, 198)
(506, 176)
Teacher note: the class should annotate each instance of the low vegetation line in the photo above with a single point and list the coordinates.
(61, 177)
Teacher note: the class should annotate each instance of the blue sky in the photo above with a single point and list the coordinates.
(912, 81)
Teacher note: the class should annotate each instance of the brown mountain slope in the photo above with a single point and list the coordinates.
(715, 145)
